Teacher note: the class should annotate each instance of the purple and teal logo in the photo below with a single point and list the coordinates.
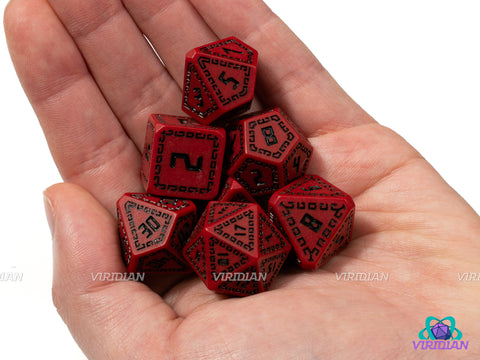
(440, 335)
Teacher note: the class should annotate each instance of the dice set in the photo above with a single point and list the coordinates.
(225, 163)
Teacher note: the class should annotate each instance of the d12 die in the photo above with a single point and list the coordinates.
(268, 152)
(316, 217)
(235, 249)
(182, 158)
(234, 192)
(219, 80)
(153, 232)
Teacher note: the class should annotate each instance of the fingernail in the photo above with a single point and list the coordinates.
(49, 212)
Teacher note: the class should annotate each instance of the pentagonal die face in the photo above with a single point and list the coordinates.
(153, 232)
(316, 217)
(182, 158)
(235, 249)
(219, 80)
(268, 152)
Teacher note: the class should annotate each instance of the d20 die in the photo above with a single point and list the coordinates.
(235, 249)
(153, 232)
(219, 80)
(234, 192)
(316, 217)
(268, 152)
(182, 158)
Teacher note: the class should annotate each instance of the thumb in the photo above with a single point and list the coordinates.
(108, 319)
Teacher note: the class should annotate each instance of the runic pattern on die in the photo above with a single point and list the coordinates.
(237, 238)
(268, 152)
(182, 158)
(316, 216)
(153, 232)
(219, 80)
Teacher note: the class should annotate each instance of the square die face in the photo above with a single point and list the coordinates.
(188, 162)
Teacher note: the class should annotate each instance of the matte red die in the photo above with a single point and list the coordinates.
(219, 80)
(234, 192)
(316, 217)
(182, 158)
(153, 232)
(267, 151)
(235, 249)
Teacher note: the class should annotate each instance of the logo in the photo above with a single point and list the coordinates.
(440, 335)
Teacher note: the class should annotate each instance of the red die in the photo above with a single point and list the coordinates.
(235, 249)
(182, 158)
(316, 217)
(268, 152)
(219, 79)
(234, 192)
(153, 232)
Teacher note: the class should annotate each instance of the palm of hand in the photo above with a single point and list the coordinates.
(406, 221)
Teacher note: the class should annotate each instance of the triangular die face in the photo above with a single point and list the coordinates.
(312, 185)
(148, 226)
(341, 238)
(311, 225)
(197, 99)
(161, 261)
(270, 239)
(231, 49)
(239, 230)
(231, 82)
(224, 259)
(195, 254)
(218, 211)
(270, 267)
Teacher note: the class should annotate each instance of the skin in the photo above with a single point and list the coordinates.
(93, 80)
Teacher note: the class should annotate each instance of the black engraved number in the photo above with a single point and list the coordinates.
(238, 227)
(258, 177)
(269, 135)
(312, 223)
(149, 226)
(228, 51)
(229, 80)
(186, 159)
(296, 163)
(198, 96)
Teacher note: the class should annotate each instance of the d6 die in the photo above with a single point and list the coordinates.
(153, 232)
(219, 80)
(316, 217)
(182, 158)
(268, 152)
(235, 249)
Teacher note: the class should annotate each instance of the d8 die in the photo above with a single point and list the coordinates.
(234, 192)
(268, 152)
(182, 158)
(219, 80)
(153, 232)
(235, 249)
(316, 217)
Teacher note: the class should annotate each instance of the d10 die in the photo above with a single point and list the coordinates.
(153, 232)
(182, 158)
(268, 152)
(316, 217)
(219, 80)
(235, 249)
(234, 192)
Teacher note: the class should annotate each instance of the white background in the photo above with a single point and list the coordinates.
(414, 65)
